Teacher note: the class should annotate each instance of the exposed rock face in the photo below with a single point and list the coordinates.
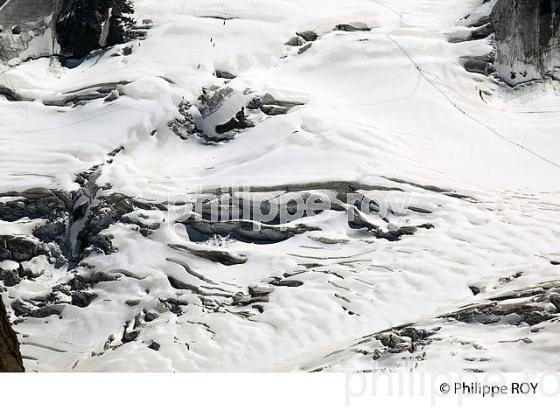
(527, 38)
(25, 13)
(85, 25)
(79, 26)
(26, 28)
(74, 28)
(20, 249)
(10, 357)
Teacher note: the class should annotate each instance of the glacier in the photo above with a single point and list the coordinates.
(111, 172)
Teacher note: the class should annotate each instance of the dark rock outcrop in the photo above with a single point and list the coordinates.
(36, 203)
(527, 38)
(201, 230)
(358, 26)
(70, 226)
(85, 25)
(10, 356)
(222, 257)
(23, 20)
(20, 248)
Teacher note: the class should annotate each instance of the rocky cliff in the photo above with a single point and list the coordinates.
(10, 357)
(85, 25)
(26, 28)
(73, 28)
(527, 38)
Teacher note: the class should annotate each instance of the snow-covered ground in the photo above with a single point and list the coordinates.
(390, 109)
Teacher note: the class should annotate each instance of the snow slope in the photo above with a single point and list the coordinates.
(390, 108)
